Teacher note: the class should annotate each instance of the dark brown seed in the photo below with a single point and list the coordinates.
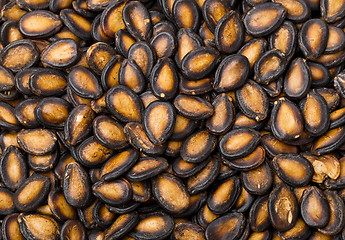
(264, 18)
(242, 121)
(143, 55)
(76, 23)
(137, 20)
(259, 180)
(52, 112)
(313, 38)
(187, 230)
(6, 205)
(336, 40)
(297, 10)
(300, 230)
(84, 83)
(170, 193)
(297, 80)
(224, 195)
(111, 18)
(78, 124)
(76, 186)
(86, 215)
(164, 79)
(339, 181)
(230, 226)
(10, 228)
(39, 24)
(195, 87)
(200, 62)
(59, 206)
(331, 96)
(31, 193)
(146, 168)
(141, 191)
(330, 141)
(320, 75)
(98, 105)
(258, 216)
(91, 153)
(124, 104)
(315, 112)
(253, 101)
(122, 225)
(249, 162)
(332, 11)
(205, 177)
(63, 33)
(118, 164)
(282, 207)
(315, 209)
(274, 147)
(123, 41)
(47, 82)
(8, 138)
(19, 55)
(110, 73)
(186, 14)
(229, 33)
(130, 75)
(337, 118)
(332, 59)
(198, 146)
(102, 215)
(38, 226)
(185, 169)
(22, 80)
(183, 128)
(164, 43)
(238, 143)
(43, 163)
(113, 193)
(213, 11)
(98, 55)
(97, 32)
(205, 216)
(293, 169)
(80, 6)
(231, 73)
(253, 50)
(37, 141)
(109, 132)
(7, 80)
(286, 120)
(284, 38)
(193, 107)
(64, 160)
(73, 229)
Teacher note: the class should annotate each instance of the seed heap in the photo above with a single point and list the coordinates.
(172, 119)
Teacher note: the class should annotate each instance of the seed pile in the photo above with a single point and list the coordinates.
(172, 119)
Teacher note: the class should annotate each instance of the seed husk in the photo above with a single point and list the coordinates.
(110, 73)
(146, 168)
(6, 206)
(37, 141)
(59, 206)
(98, 55)
(122, 225)
(213, 11)
(73, 229)
(10, 228)
(193, 107)
(259, 180)
(76, 23)
(144, 56)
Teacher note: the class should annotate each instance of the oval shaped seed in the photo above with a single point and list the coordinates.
(195, 87)
(286, 120)
(52, 112)
(200, 62)
(78, 124)
(282, 208)
(43, 163)
(146, 168)
(59, 206)
(31, 193)
(315, 208)
(205, 177)
(269, 66)
(284, 39)
(122, 225)
(37, 141)
(86, 216)
(320, 75)
(91, 153)
(39, 24)
(332, 59)
(231, 73)
(297, 10)
(38, 226)
(109, 132)
(187, 230)
(164, 79)
(110, 73)
(239, 143)
(137, 20)
(77, 24)
(84, 83)
(141, 191)
(10, 228)
(123, 41)
(183, 128)
(124, 104)
(73, 229)
(102, 215)
(7, 80)
(170, 193)
(118, 164)
(331, 11)
(253, 50)
(297, 80)
(331, 96)
(230, 226)
(224, 115)
(329, 141)
(6, 205)
(242, 121)
(164, 43)
(224, 195)
(47, 82)
(76, 186)
(143, 55)
(313, 38)
(249, 162)
(13, 170)
(19, 55)
(181, 168)
(337, 118)
(213, 11)
(97, 32)
(229, 33)
(97, 56)
(264, 19)
(113, 193)
(336, 40)
(131, 76)
(253, 101)
(259, 180)
(198, 146)
(159, 121)
(111, 18)
(186, 14)
(258, 216)
(293, 169)
(193, 107)
(316, 117)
